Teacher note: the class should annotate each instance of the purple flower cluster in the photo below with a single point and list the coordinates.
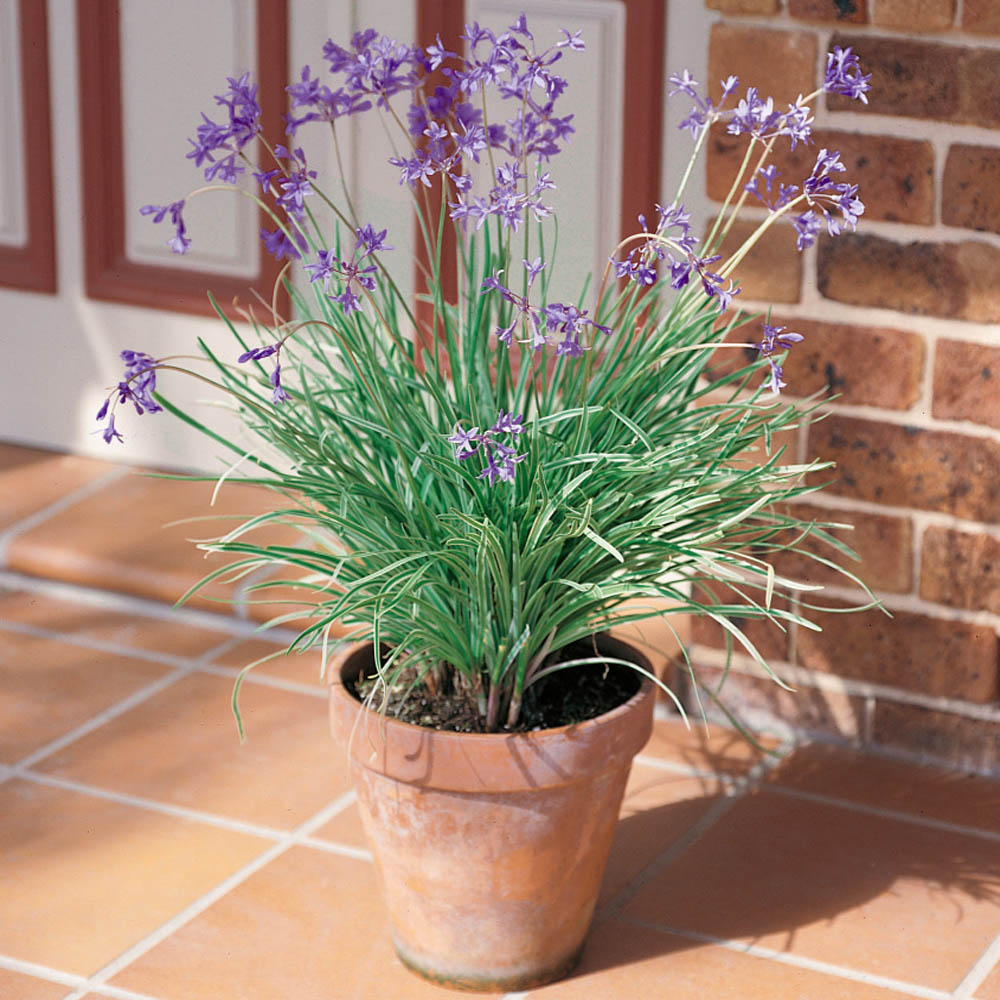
(823, 193)
(673, 241)
(374, 67)
(776, 339)
(566, 321)
(447, 128)
(137, 385)
(506, 200)
(356, 269)
(501, 459)
(229, 137)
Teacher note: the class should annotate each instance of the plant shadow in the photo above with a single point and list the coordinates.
(784, 870)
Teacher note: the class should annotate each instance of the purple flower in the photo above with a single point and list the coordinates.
(372, 241)
(348, 301)
(507, 423)
(436, 54)
(279, 246)
(775, 339)
(258, 353)
(844, 76)
(466, 442)
(179, 242)
(278, 395)
(323, 269)
(294, 190)
(110, 434)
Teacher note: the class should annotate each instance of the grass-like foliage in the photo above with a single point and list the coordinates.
(538, 471)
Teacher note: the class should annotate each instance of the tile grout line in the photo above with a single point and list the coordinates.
(181, 667)
(798, 961)
(98, 979)
(976, 976)
(213, 820)
(73, 981)
(892, 814)
(98, 720)
(40, 516)
(202, 663)
(111, 600)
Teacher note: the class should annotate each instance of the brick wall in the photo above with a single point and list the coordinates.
(901, 321)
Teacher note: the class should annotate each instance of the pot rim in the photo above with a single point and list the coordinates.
(494, 762)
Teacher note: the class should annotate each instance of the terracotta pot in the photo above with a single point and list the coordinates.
(490, 846)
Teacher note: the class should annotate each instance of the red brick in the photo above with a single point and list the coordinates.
(968, 743)
(981, 17)
(913, 15)
(780, 64)
(839, 359)
(914, 652)
(883, 542)
(761, 705)
(955, 280)
(909, 467)
(970, 195)
(909, 78)
(772, 270)
(744, 6)
(979, 88)
(967, 382)
(843, 11)
(961, 569)
(895, 176)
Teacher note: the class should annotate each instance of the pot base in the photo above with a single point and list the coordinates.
(484, 984)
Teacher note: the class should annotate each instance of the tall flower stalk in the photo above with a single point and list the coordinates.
(556, 467)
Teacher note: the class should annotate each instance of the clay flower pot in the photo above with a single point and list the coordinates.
(490, 846)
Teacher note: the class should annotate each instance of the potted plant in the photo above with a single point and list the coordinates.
(481, 482)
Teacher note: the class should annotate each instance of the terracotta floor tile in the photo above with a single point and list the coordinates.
(49, 687)
(309, 925)
(169, 635)
(116, 539)
(30, 479)
(622, 961)
(15, 986)
(718, 751)
(84, 879)
(181, 746)
(658, 807)
(345, 828)
(990, 990)
(882, 896)
(893, 784)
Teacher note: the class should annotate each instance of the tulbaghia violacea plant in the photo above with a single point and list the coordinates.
(477, 508)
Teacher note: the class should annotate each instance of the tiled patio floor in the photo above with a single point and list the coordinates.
(144, 853)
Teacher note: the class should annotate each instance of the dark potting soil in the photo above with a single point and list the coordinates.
(558, 699)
